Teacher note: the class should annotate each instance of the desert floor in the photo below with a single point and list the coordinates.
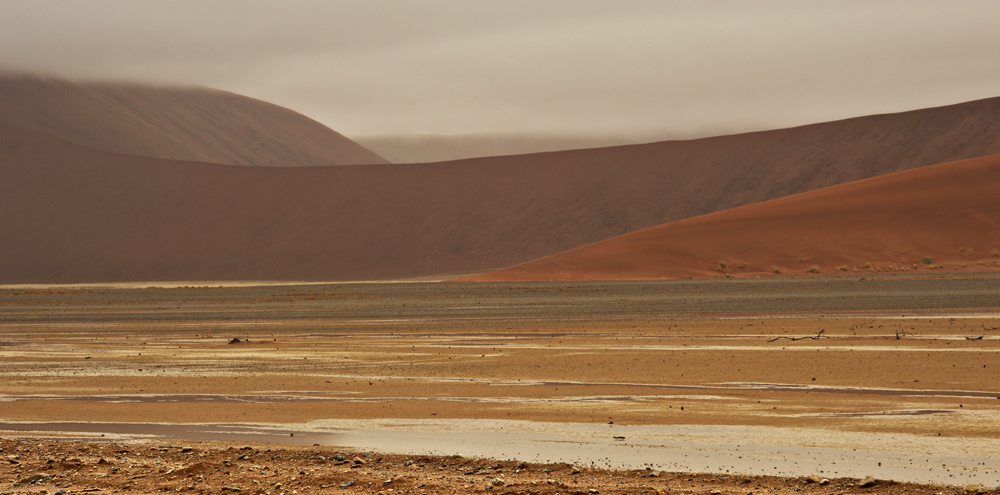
(842, 377)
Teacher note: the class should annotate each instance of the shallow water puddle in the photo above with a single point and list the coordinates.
(716, 449)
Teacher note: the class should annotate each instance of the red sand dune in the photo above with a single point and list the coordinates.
(949, 213)
(74, 214)
(179, 123)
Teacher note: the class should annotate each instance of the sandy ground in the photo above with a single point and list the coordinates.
(740, 373)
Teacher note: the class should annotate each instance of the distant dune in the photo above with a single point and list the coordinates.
(429, 148)
(75, 214)
(938, 218)
(179, 123)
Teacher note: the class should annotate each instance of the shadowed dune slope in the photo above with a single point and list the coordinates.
(73, 214)
(177, 123)
(939, 217)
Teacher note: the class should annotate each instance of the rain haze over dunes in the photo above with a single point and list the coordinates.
(643, 70)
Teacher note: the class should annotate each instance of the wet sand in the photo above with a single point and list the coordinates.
(779, 377)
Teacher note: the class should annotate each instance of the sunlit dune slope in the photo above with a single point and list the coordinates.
(943, 217)
(180, 123)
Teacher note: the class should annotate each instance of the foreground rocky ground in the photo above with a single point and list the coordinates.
(66, 467)
(901, 365)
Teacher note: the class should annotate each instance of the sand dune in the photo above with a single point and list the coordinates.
(943, 217)
(178, 123)
(74, 214)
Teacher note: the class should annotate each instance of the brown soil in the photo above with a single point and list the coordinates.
(943, 217)
(41, 467)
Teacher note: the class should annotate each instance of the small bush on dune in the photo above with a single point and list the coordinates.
(775, 269)
(812, 269)
(842, 268)
(927, 260)
(722, 265)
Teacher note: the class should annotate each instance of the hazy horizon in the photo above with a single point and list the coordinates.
(637, 70)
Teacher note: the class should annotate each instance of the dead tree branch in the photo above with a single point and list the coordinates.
(813, 337)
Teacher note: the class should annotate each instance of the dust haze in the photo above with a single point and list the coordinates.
(585, 68)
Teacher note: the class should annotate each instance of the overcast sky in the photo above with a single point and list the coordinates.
(666, 68)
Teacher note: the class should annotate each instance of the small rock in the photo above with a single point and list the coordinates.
(387, 482)
(592, 491)
(408, 462)
(654, 474)
(340, 457)
(347, 483)
(812, 478)
(973, 488)
(574, 470)
(232, 489)
(716, 492)
(824, 481)
(866, 482)
(35, 478)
